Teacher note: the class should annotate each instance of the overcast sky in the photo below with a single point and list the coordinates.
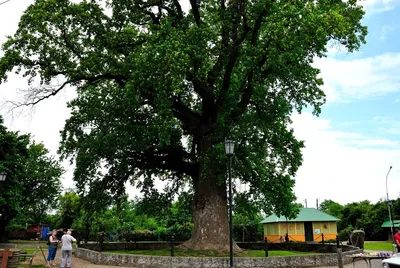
(349, 147)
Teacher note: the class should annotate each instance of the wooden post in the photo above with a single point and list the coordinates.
(172, 246)
(6, 253)
(340, 260)
(266, 246)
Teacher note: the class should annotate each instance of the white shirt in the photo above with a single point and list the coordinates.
(67, 241)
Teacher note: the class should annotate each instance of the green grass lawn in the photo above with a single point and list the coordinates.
(29, 250)
(384, 246)
(209, 253)
(33, 266)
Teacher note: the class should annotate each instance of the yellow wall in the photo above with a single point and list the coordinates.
(329, 229)
(273, 231)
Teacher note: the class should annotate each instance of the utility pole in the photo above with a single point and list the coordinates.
(317, 203)
(390, 203)
(305, 201)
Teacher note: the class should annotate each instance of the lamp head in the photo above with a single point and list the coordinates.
(229, 147)
(3, 176)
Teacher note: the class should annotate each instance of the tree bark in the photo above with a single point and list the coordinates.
(210, 210)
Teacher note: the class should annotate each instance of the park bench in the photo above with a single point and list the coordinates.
(5, 255)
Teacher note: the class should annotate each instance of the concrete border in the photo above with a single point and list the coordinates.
(142, 261)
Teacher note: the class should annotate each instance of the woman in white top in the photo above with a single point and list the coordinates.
(66, 250)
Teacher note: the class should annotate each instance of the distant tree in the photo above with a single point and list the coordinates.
(247, 216)
(332, 208)
(33, 178)
(69, 209)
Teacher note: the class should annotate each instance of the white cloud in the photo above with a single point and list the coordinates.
(385, 31)
(387, 124)
(343, 171)
(360, 78)
(373, 6)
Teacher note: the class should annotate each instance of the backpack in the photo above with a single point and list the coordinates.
(48, 240)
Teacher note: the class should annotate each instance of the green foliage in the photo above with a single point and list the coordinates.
(361, 215)
(332, 208)
(159, 88)
(246, 219)
(33, 180)
(69, 208)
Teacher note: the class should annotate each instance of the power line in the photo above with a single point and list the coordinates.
(4, 2)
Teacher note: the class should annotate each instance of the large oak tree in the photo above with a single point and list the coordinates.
(162, 83)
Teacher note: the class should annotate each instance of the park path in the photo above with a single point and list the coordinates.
(80, 263)
(359, 264)
(76, 262)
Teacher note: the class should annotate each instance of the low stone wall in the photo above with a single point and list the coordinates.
(25, 245)
(141, 261)
(303, 247)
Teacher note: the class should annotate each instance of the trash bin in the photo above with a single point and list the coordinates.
(357, 238)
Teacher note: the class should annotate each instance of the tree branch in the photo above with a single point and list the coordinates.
(52, 93)
(237, 41)
(169, 158)
(247, 91)
(196, 11)
(189, 118)
(178, 9)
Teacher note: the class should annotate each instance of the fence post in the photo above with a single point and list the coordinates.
(266, 246)
(337, 242)
(340, 260)
(323, 239)
(172, 246)
(100, 242)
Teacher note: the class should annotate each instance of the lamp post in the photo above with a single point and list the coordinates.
(229, 151)
(389, 204)
(3, 177)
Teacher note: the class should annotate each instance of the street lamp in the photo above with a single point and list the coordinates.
(3, 176)
(389, 204)
(229, 151)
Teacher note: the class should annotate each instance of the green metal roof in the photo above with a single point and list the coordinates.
(396, 223)
(306, 214)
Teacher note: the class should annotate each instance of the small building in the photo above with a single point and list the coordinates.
(309, 226)
(388, 225)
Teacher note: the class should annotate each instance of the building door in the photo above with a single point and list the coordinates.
(308, 231)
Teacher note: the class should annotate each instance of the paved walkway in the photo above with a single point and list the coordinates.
(80, 263)
(360, 264)
(76, 262)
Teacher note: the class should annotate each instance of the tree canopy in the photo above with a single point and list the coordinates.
(162, 83)
(33, 178)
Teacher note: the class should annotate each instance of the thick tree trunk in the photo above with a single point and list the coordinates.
(210, 210)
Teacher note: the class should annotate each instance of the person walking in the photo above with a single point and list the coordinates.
(53, 243)
(66, 250)
(397, 240)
